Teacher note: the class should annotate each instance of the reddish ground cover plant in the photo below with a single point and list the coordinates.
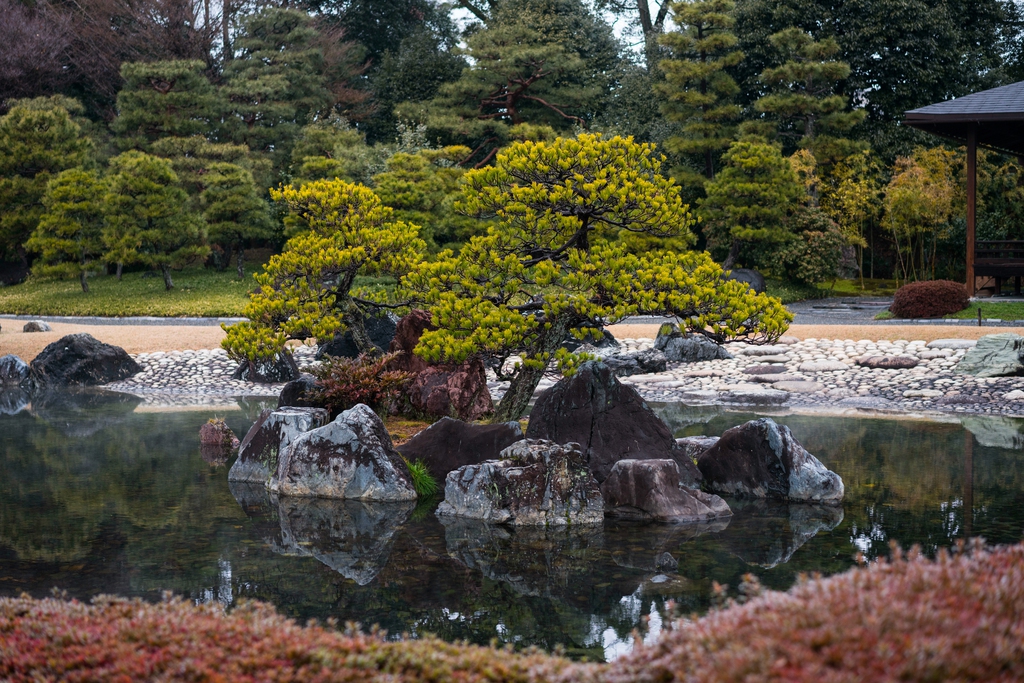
(929, 299)
(344, 382)
(959, 617)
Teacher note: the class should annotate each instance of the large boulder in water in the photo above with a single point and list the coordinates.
(352, 458)
(651, 490)
(82, 360)
(760, 459)
(450, 444)
(380, 328)
(270, 436)
(535, 483)
(452, 391)
(995, 355)
(687, 348)
(609, 420)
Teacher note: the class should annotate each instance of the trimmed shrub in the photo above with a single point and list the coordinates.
(343, 382)
(422, 481)
(929, 299)
(958, 617)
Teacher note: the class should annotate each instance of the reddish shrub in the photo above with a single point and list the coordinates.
(929, 299)
(959, 617)
(344, 382)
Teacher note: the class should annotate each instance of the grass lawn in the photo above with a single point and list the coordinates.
(1004, 310)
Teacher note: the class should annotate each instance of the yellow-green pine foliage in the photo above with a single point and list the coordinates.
(554, 263)
(69, 236)
(307, 290)
(35, 145)
(698, 89)
(147, 219)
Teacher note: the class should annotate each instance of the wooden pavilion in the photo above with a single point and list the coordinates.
(993, 119)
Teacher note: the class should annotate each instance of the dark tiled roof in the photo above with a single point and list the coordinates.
(1008, 99)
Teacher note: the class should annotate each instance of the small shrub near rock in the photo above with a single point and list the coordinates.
(930, 299)
(343, 383)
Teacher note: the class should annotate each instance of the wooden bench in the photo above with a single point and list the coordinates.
(1000, 259)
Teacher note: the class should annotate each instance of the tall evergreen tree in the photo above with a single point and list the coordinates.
(234, 211)
(69, 236)
(162, 99)
(697, 86)
(35, 145)
(148, 218)
(191, 159)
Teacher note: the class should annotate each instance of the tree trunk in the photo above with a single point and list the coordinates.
(85, 285)
(225, 13)
(241, 263)
(515, 401)
(168, 283)
(225, 260)
(355, 322)
(709, 166)
(23, 256)
(734, 253)
(120, 267)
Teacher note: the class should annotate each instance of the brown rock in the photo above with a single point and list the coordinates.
(217, 433)
(651, 490)
(452, 391)
(407, 335)
(888, 362)
(608, 419)
(450, 444)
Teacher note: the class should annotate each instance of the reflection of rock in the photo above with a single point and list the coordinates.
(535, 561)
(353, 538)
(351, 457)
(13, 400)
(254, 499)
(660, 546)
(608, 419)
(760, 459)
(82, 360)
(767, 533)
(79, 412)
(996, 431)
(270, 435)
(679, 416)
(995, 355)
(536, 483)
(450, 444)
(14, 372)
(651, 490)
(693, 446)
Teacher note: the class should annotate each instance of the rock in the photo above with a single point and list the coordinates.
(643, 362)
(1015, 395)
(450, 444)
(693, 446)
(608, 419)
(271, 435)
(281, 368)
(14, 372)
(604, 342)
(888, 362)
(666, 562)
(217, 433)
(866, 402)
(81, 360)
(760, 459)
(749, 276)
(952, 344)
(764, 369)
(299, 393)
(651, 490)
(931, 354)
(823, 366)
(687, 348)
(788, 340)
(784, 377)
(380, 327)
(960, 399)
(535, 483)
(757, 396)
(799, 386)
(995, 355)
(350, 458)
(458, 391)
(407, 335)
(765, 350)
(36, 326)
(922, 393)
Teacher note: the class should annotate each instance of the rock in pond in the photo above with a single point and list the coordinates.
(609, 420)
(687, 348)
(271, 435)
(651, 490)
(452, 391)
(299, 393)
(14, 372)
(81, 360)
(280, 368)
(215, 432)
(535, 483)
(760, 459)
(350, 458)
(450, 444)
(995, 355)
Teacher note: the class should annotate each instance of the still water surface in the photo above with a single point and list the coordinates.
(96, 497)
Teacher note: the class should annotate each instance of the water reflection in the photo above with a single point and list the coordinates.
(99, 498)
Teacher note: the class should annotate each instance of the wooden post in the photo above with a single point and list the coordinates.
(972, 182)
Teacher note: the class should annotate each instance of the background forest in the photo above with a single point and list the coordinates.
(147, 134)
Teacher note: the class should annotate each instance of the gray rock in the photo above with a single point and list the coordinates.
(643, 362)
(784, 377)
(299, 393)
(764, 370)
(757, 397)
(766, 350)
(995, 355)
(775, 359)
(602, 344)
(351, 458)
(931, 354)
(687, 348)
(866, 402)
(14, 372)
(535, 483)
(799, 386)
(888, 362)
(380, 328)
(749, 276)
(823, 366)
(270, 436)
(81, 360)
(651, 490)
(952, 344)
(693, 446)
(760, 459)
(280, 368)
(36, 326)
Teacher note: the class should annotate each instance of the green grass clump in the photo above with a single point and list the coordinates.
(422, 481)
(884, 315)
(1004, 310)
(790, 292)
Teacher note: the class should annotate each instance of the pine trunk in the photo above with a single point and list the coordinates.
(241, 263)
(168, 283)
(734, 253)
(85, 285)
(516, 400)
(120, 267)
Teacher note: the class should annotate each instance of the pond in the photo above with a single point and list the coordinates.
(99, 496)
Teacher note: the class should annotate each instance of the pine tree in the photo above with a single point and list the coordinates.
(35, 145)
(276, 84)
(69, 236)
(191, 159)
(331, 148)
(697, 86)
(234, 210)
(749, 202)
(147, 218)
(165, 99)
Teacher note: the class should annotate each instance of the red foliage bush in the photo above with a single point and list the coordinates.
(344, 382)
(959, 617)
(929, 299)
